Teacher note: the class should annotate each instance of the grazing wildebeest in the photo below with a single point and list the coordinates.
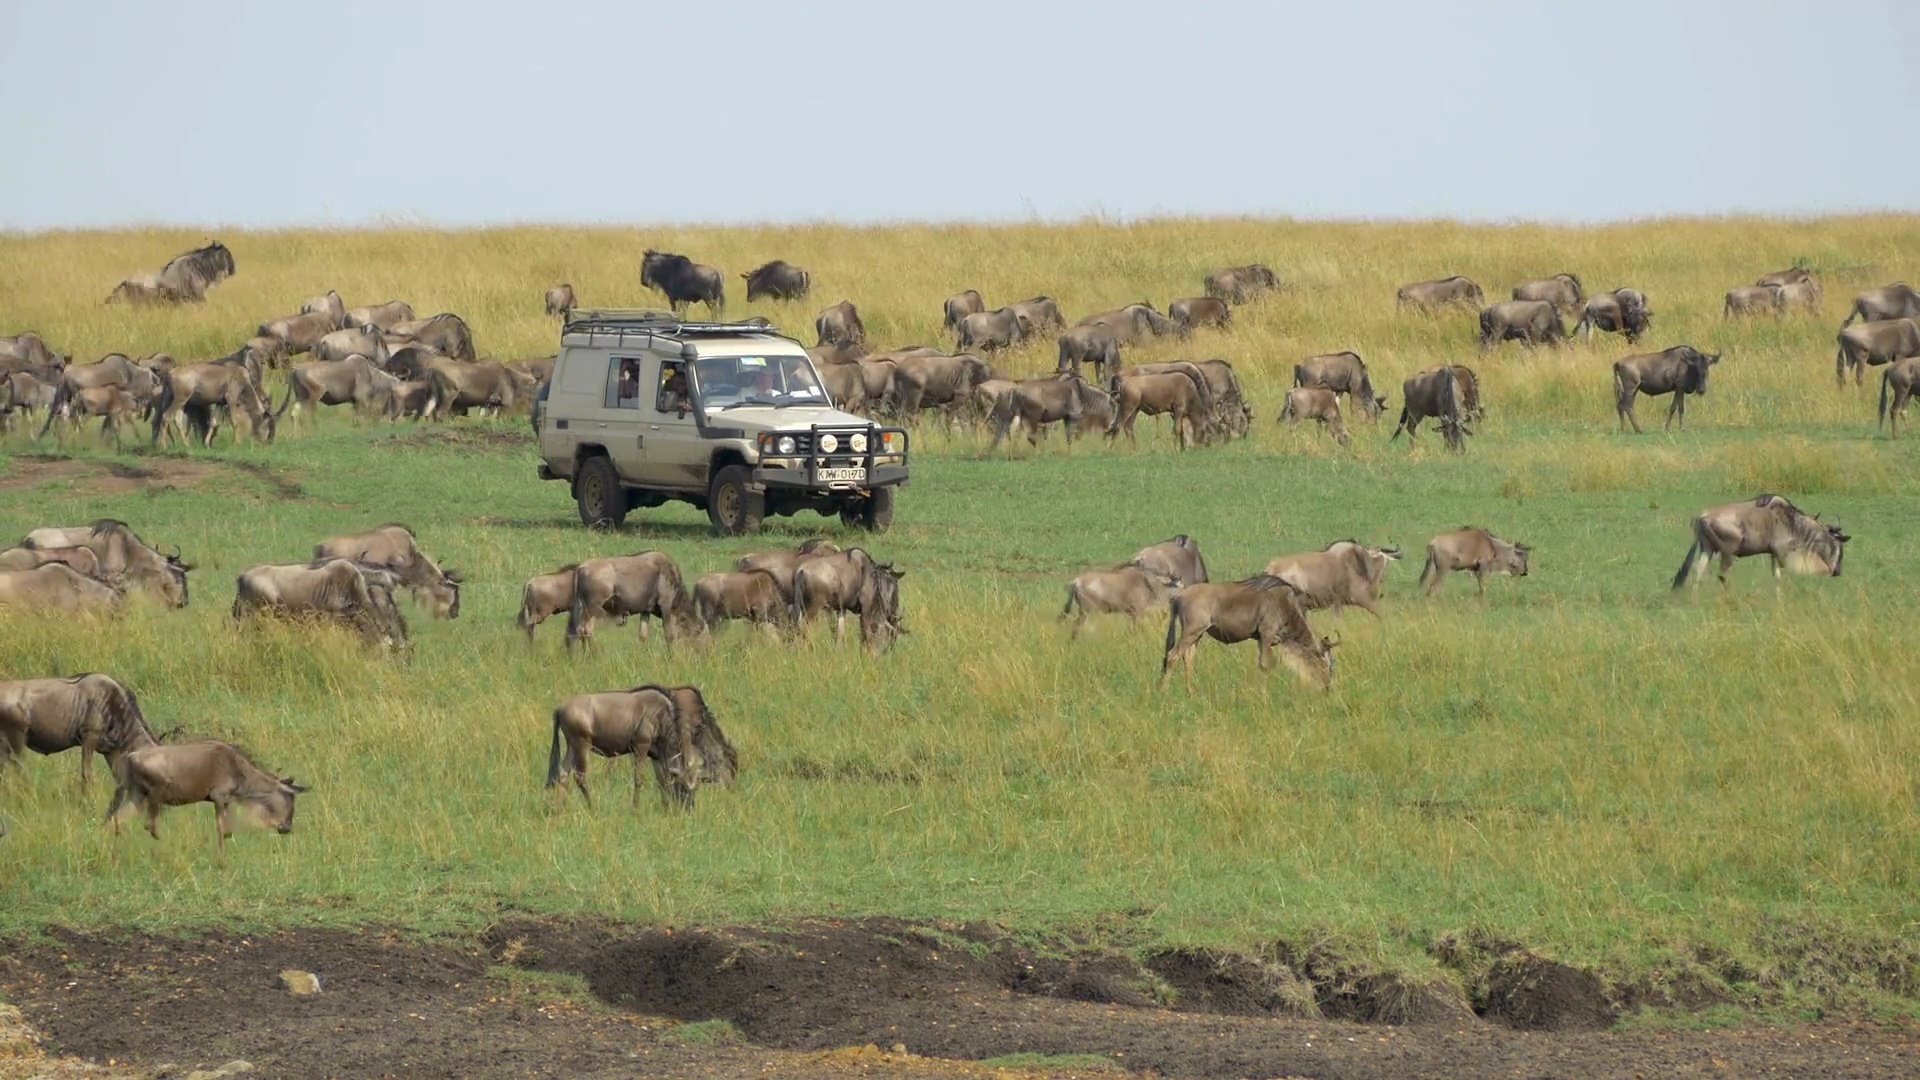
(56, 587)
(114, 369)
(683, 281)
(1560, 290)
(1096, 345)
(928, 381)
(1435, 392)
(484, 384)
(1178, 395)
(180, 774)
(646, 584)
(1342, 373)
(445, 333)
(1135, 322)
(1755, 300)
(959, 306)
(1439, 293)
(1124, 590)
(1896, 301)
(876, 382)
(1233, 416)
(202, 387)
(354, 381)
(368, 341)
(185, 279)
(51, 716)
(351, 594)
(840, 324)
(267, 351)
(643, 722)
(778, 280)
(121, 555)
(1871, 344)
(393, 548)
(1768, 525)
(1196, 311)
(1900, 377)
(991, 331)
(80, 558)
(738, 594)
(1346, 573)
(559, 300)
(1042, 314)
(719, 762)
(330, 305)
(384, 316)
(880, 610)
(780, 565)
(1319, 404)
(1679, 371)
(301, 333)
(1036, 403)
(1177, 557)
(1622, 311)
(1262, 608)
(1239, 284)
(838, 583)
(1478, 550)
(1531, 322)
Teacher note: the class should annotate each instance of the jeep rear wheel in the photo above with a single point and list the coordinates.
(731, 507)
(603, 502)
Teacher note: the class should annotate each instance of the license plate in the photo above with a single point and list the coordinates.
(830, 475)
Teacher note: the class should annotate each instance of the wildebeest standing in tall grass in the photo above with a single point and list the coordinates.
(1346, 573)
(1622, 311)
(1790, 276)
(1177, 557)
(781, 565)
(446, 333)
(92, 712)
(341, 591)
(1900, 378)
(184, 280)
(936, 381)
(1896, 301)
(1196, 311)
(1179, 396)
(115, 369)
(1133, 323)
(738, 594)
(1342, 373)
(1042, 313)
(205, 390)
(1239, 284)
(1679, 371)
(354, 381)
(1439, 293)
(643, 722)
(1435, 392)
(1530, 322)
(840, 324)
(122, 554)
(1477, 550)
(1124, 590)
(28, 349)
(1754, 300)
(180, 774)
(778, 280)
(959, 306)
(1561, 290)
(1872, 344)
(843, 583)
(1062, 398)
(646, 584)
(683, 281)
(1316, 403)
(991, 331)
(330, 305)
(394, 548)
(544, 596)
(56, 587)
(1097, 345)
(1768, 525)
(559, 299)
(303, 332)
(1264, 609)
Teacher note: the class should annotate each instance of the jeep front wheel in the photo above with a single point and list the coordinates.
(731, 507)
(603, 502)
(873, 513)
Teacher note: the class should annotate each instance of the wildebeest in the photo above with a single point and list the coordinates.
(56, 587)
(384, 316)
(643, 722)
(122, 554)
(991, 331)
(933, 380)
(368, 341)
(1435, 392)
(959, 306)
(1560, 290)
(267, 351)
(683, 281)
(1478, 550)
(1342, 373)
(28, 349)
(482, 384)
(80, 558)
(538, 369)
(1345, 573)
(1239, 284)
(1440, 292)
(1197, 311)
(1896, 301)
(844, 386)
(780, 565)
(646, 584)
(1319, 404)
(117, 409)
(355, 595)
(413, 399)
(185, 279)
(180, 774)
(1135, 322)
(1755, 299)
(543, 597)
(1181, 397)
(1790, 276)
(1622, 311)
(114, 369)
(445, 333)
(1768, 525)
(1177, 557)
(1066, 397)
(301, 333)
(1531, 322)
(738, 594)
(840, 324)
(1124, 590)
(778, 280)
(210, 387)
(330, 305)
(354, 381)
(394, 548)
(1803, 294)
(1900, 377)
(1232, 414)
(559, 300)
(843, 583)
(1262, 608)
(1097, 345)
(1042, 314)
(1679, 371)
(1871, 344)
(92, 712)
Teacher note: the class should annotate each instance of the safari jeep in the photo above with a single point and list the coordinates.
(644, 407)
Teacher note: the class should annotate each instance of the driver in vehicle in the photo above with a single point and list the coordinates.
(673, 390)
(764, 384)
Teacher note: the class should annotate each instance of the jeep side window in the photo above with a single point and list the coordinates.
(672, 398)
(623, 384)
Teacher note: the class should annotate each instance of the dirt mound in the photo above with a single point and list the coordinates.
(1533, 993)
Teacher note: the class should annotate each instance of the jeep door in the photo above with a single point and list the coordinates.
(673, 452)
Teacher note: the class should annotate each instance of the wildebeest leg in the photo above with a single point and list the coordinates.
(221, 829)
(152, 806)
(639, 772)
(1726, 564)
(1439, 574)
(1266, 652)
(839, 624)
(88, 743)
(1677, 410)
(1480, 578)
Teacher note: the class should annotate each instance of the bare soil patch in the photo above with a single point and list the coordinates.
(89, 477)
(461, 438)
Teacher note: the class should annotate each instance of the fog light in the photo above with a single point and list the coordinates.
(786, 444)
(858, 442)
(829, 443)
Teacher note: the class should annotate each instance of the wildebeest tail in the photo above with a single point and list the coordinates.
(799, 598)
(1428, 567)
(442, 396)
(1450, 403)
(1693, 551)
(1884, 377)
(577, 611)
(553, 754)
(1299, 375)
(124, 786)
(293, 383)
(1173, 633)
(62, 397)
(162, 403)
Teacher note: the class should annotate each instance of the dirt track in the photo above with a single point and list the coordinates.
(805, 995)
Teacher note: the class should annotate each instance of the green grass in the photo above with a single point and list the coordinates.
(1583, 762)
(702, 1033)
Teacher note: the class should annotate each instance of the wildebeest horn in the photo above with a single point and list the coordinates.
(454, 576)
(293, 787)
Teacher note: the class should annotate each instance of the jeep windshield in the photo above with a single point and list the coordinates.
(774, 382)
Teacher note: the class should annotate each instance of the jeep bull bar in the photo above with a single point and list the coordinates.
(838, 457)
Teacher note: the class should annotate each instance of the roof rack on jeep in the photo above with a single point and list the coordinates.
(662, 323)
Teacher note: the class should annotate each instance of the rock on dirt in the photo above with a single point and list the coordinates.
(231, 1068)
(300, 983)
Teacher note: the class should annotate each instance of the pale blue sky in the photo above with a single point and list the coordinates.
(220, 112)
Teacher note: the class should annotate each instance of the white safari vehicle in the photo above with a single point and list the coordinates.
(644, 407)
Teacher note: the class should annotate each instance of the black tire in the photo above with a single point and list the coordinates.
(876, 513)
(597, 490)
(730, 506)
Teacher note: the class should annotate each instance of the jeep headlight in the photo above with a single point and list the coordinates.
(891, 442)
(858, 443)
(829, 443)
(785, 445)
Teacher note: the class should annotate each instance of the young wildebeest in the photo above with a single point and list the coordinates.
(736, 594)
(1679, 371)
(842, 583)
(646, 584)
(1177, 557)
(1435, 392)
(1896, 301)
(1440, 293)
(778, 280)
(1197, 311)
(1182, 397)
(113, 404)
(1346, 573)
(1239, 284)
(544, 596)
(1622, 311)
(1771, 526)
(560, 300)
(1125, 590)
(643, 722)
(56, 587)
(1098, 345)
(1873, 344)
(1900, 377)
(356, 596)
(880, 611)
(1530, 322)
(1342, 373)
(121, 555)
(840, 325)
(1263, 608)
(1315, 403)
(393, 548)
(156, 777)
(92, 712)
(683, 281)
(1560, 290)
(782, 564)
(1754, 299)
(1067, 398)
(1478, 550)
